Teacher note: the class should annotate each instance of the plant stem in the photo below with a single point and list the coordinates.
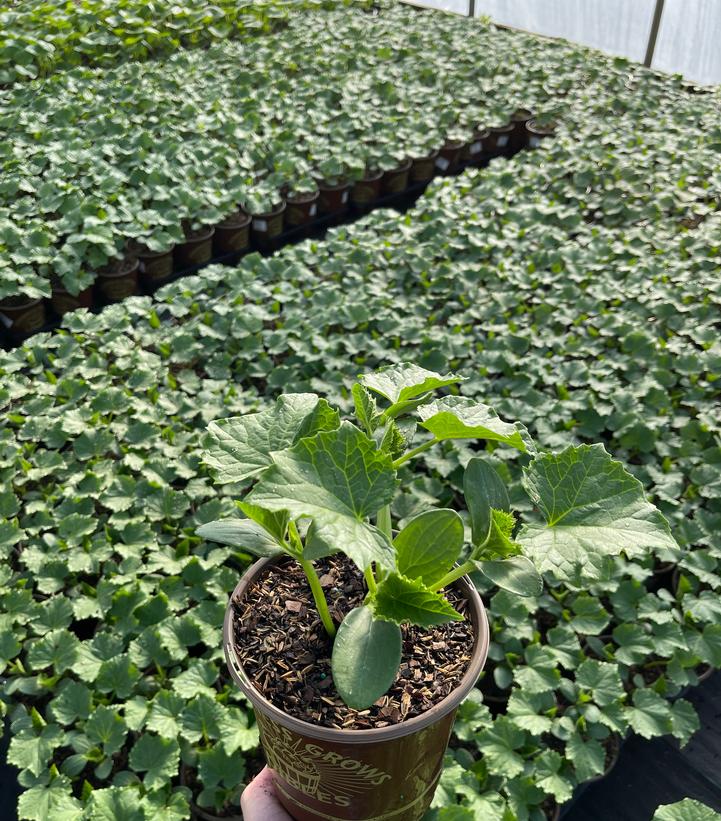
(456, 573)
(411, 453)
(318, 597)
(370, 580)
(383, 521)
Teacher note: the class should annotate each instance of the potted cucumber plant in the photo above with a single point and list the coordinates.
(359, 633)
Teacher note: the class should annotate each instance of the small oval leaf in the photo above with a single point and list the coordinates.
(366, 656)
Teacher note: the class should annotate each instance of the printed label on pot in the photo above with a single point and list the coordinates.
(313, 210)
(502, 140)
(442, 163)
(260, 225)
(476, 147)
(534, 142)
(325, 776)
(6, 321)
(344, 197)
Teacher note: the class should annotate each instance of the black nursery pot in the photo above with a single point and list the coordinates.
(232, 235)
(119, 280)
(196, 250)
(498, 143)
(395, 181)
(519, 136)
(367, 190)
(356, 775)
(449, 157)
(538, 133)
(153, 266)
(63, 301)
(475, 150)
(22, 315)
(423, 169)
(334, 198)
(302, 209)
(268, 226)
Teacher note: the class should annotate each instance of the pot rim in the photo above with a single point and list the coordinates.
(502, 129)
(230, 223)
(479, 652)
(31, 302)
(303, 198)
(206, 235)
(127, 272)
(277, 209)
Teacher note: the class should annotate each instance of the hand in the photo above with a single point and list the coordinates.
(259, 802)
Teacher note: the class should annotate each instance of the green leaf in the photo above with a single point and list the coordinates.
(684, 720)
(499, 545)
(458, 417)
(201, 719)
(517, 574)
(242, 533)
(366, 410)
(549, 776)
(217, 768)
(428, 546)
(484, 491)
(409, 601)
(650, 715)
(243, 444)
(115, 804)
(366, 656)
(406, 381)
(686, 810)
(593, 509)
(338, 479)
(107, 729)
(58, 649)
(73, 701)
(235, 732)
(275, 523)
(500, 745)
(165, 714)
(157, 757)
(31, 751)
(54, 801)
(601, 679)
(587, 756)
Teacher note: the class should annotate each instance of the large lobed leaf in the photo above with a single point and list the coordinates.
(243, 444)
(338, 479)
(593, 509)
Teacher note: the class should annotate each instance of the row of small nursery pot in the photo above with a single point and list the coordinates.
(293, 217)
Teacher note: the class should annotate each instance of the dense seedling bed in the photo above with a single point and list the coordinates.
(38, 39)
(115, 671)
(147, 152)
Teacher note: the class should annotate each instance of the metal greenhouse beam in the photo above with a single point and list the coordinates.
(471, 8)
(653, 34)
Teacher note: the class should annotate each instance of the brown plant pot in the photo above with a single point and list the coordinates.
(449, 157)
(63, 301)
(367, 190)
(154, 266)
(499, 140)
(423, 169)
(119, 282)
(356, 775)
(475, 149)
(22, 315)
(196, 250)
(537, 133)
(267, 227)
(519, 136)
(333, 199)
(302, 209)
(395, 181)
(232, 235)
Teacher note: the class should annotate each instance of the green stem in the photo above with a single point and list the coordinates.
(318, 597)
(456, 573)
(411, 453)
(370, 580)
(383, 521)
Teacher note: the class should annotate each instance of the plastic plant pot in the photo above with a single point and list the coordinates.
(356, 775)
(21, 315)
(537, 133)
(268, 226)
(499, 140)
(423, 169)
(232, 235)
(519, 136)
(334, 198)
(395, 181)
(474, 150)
(367, 190)
(119, 280)
(63, 301)
(449, 157)
(302, 209)
(196, 250)
(154, 266)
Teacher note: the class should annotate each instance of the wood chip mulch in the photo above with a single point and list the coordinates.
(285, 651)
